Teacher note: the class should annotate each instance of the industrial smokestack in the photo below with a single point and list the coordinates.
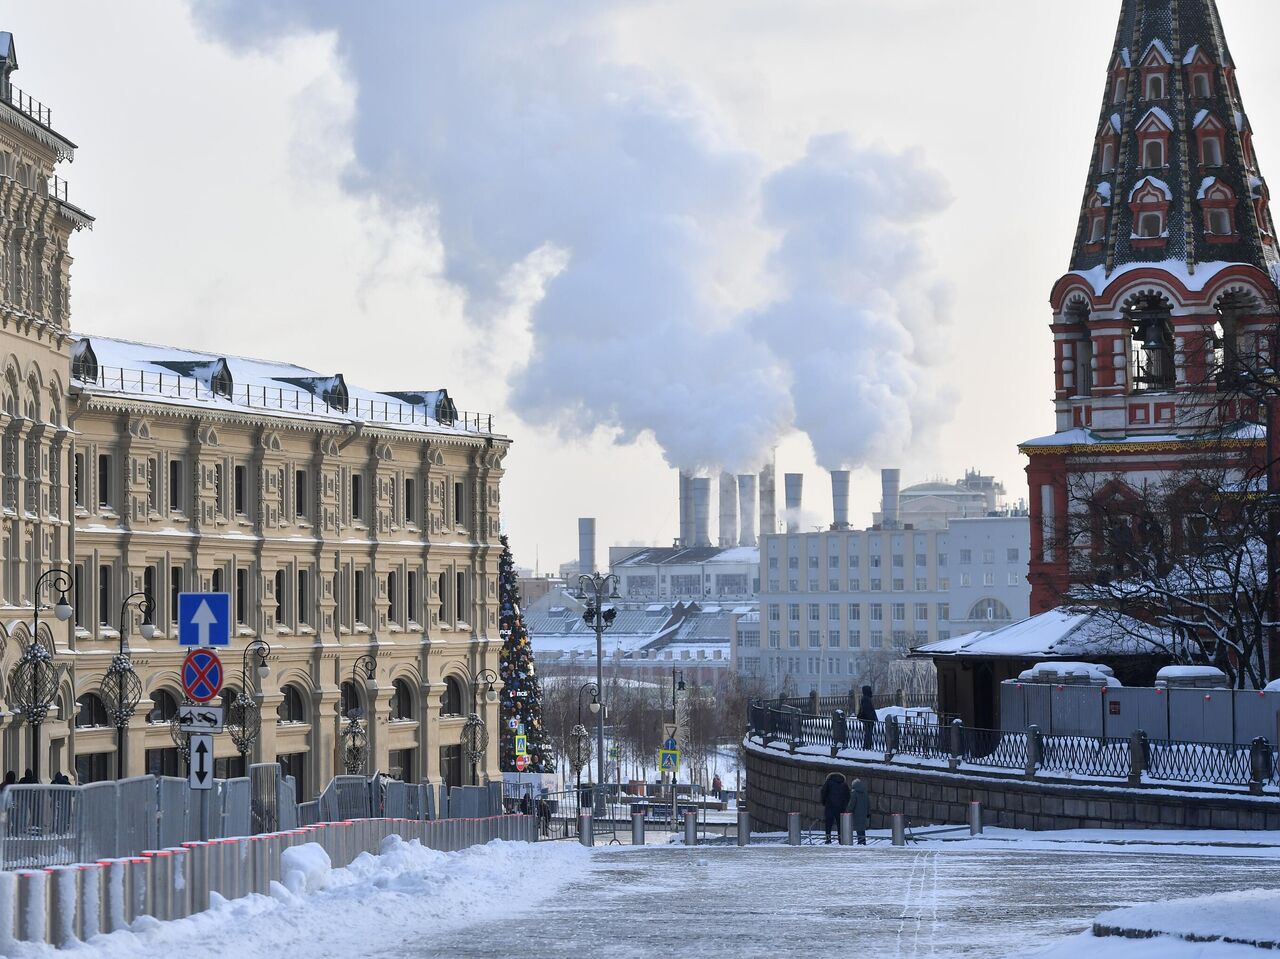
(747, 509)
(768, 500)
(586, 546)
(701, 487)
(728, 510)
(686, 509)
(839, 499)
(890, 482)
(793, 484)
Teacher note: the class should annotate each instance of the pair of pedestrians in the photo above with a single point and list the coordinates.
(838, 797)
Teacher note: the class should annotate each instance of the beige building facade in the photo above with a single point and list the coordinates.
(342, 522)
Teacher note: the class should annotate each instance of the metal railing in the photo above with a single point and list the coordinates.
(283, 399)
(29, 105)
(1134, 759)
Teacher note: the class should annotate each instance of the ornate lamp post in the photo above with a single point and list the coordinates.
(475, 733)
(244, 721)
(355, 741)
(580, 748)
(35, 678)
(121, 689)
(597, 589)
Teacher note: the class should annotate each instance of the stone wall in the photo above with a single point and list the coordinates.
(779, 783)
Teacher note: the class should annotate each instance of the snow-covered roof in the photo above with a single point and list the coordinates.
(107, 366)
(1158, 45)
(1155, 182)
(1160, 115)
(1079, 436)
(1099, 279)
(1205, 185)
(1061, 633)
(1115, 122)
(1190, 55)
(1104, 191)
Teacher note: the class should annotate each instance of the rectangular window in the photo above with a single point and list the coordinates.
(922, 559)
(793, 639)
(855, 639)
(218, 486)
(774, 638)
(815, 612)
(899, 612)
(813, 585)
(944, 612)
(793, 611)
(942, 559)
(793, 562)
(900, 639)
(459, 505)
(773, 562)
(357, 496)
(833, 562)
(966, 579)
(944, 584)
(988, 579)
(899, 585)
(412, 601)
(217, 580)
(1015, 579)
(149, 583)
(922, 637)
(855, 612)
(175, 486)
(833, 586)
(79, 596)
(175, 587)
(104, 480)
(300, 495)
(241, 492)
(104, 595)
(898, 561)
(393, 610)
(1011, 554)
(242, 595)
(854, 561)
(877, 612)
(988, 556)
(833, 610)
(460, 598)
(361, 598)
(966, 557)
(877, 640)
(79, 480)
(279, 589)
(813, 562)
(922, 612)
(875, 586)
(922, 584)
(875, 562)
(815, 639)
(855, 585)
(775, 612)
(410, 502)
(304, 598)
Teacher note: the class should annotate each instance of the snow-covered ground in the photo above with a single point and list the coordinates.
(379, 905)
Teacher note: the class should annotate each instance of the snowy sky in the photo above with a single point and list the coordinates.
(639, 232)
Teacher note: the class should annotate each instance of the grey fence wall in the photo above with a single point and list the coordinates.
(1235, 716)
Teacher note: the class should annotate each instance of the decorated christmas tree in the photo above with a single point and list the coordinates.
(521, 694)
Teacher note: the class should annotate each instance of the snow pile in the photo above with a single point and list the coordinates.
(319, 911)
(918, 715)
(1251, 917)
(1272, 687)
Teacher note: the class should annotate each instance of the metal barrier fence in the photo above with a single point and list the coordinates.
(1136, 758)
(61, 905)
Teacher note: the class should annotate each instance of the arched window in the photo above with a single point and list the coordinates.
(1200, 85)
(1153, 154)
(1108, 157)
(1155, 86)
(990, 609)
(1218, 201)
(351, 700)
(1097, 228)
(1211, 151)
(1153, 343)
(1149, 201)
(1219, 222)
(401, 700)
(451, 701)
(164, 706)
(1121, 88)
(1150, 225)
(291, 709)
(90, 712)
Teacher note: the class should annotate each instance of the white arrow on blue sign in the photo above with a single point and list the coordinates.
(204, 619)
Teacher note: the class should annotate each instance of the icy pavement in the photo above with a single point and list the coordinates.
(939, 900)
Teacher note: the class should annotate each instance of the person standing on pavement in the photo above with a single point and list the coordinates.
(867, 713)
(716, 786)
(860, 807)
(835, 798)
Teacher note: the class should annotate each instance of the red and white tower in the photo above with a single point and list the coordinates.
(1172, 279)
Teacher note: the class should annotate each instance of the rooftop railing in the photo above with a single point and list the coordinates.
(284, 399)
(27, 104)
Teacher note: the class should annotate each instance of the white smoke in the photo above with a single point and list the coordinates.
(594, 201)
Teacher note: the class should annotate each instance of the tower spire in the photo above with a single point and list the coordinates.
(1173, 179)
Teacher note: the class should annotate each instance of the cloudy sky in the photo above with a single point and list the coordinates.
(641, 233)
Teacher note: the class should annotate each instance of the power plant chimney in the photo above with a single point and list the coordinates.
(586, 546)
(728, 509)
(768, 500)
(890, 483)
(840, 499)
(701, 488)
(793, 484)
(686, 509)
(747, 509)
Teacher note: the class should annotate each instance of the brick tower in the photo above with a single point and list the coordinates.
(1171, 285)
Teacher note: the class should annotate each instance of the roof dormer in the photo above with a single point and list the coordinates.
(214, 374)
(1155, 66)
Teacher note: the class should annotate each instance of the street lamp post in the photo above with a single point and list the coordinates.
(676, 684)
(35, 679)
(597, 588)
(121, 689)
(581, 730)
(356, 740)
(245, 720)
(475, 735)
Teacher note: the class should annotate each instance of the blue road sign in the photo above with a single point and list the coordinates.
(669, 760)
(204, 619)
(670, 744)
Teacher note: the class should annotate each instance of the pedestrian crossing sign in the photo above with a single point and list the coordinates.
(669, 760)
(522, 745)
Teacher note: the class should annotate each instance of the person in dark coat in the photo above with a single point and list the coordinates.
(10, 778)
(867, 713)
(28, 778)
(835, 798)
(526, 805)
(860, 807)
(544, 816)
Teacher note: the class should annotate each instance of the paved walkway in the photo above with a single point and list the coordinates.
(873, 902)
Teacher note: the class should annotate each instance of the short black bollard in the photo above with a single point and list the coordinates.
(1261, 764)
(957, 743)
(839, 731)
